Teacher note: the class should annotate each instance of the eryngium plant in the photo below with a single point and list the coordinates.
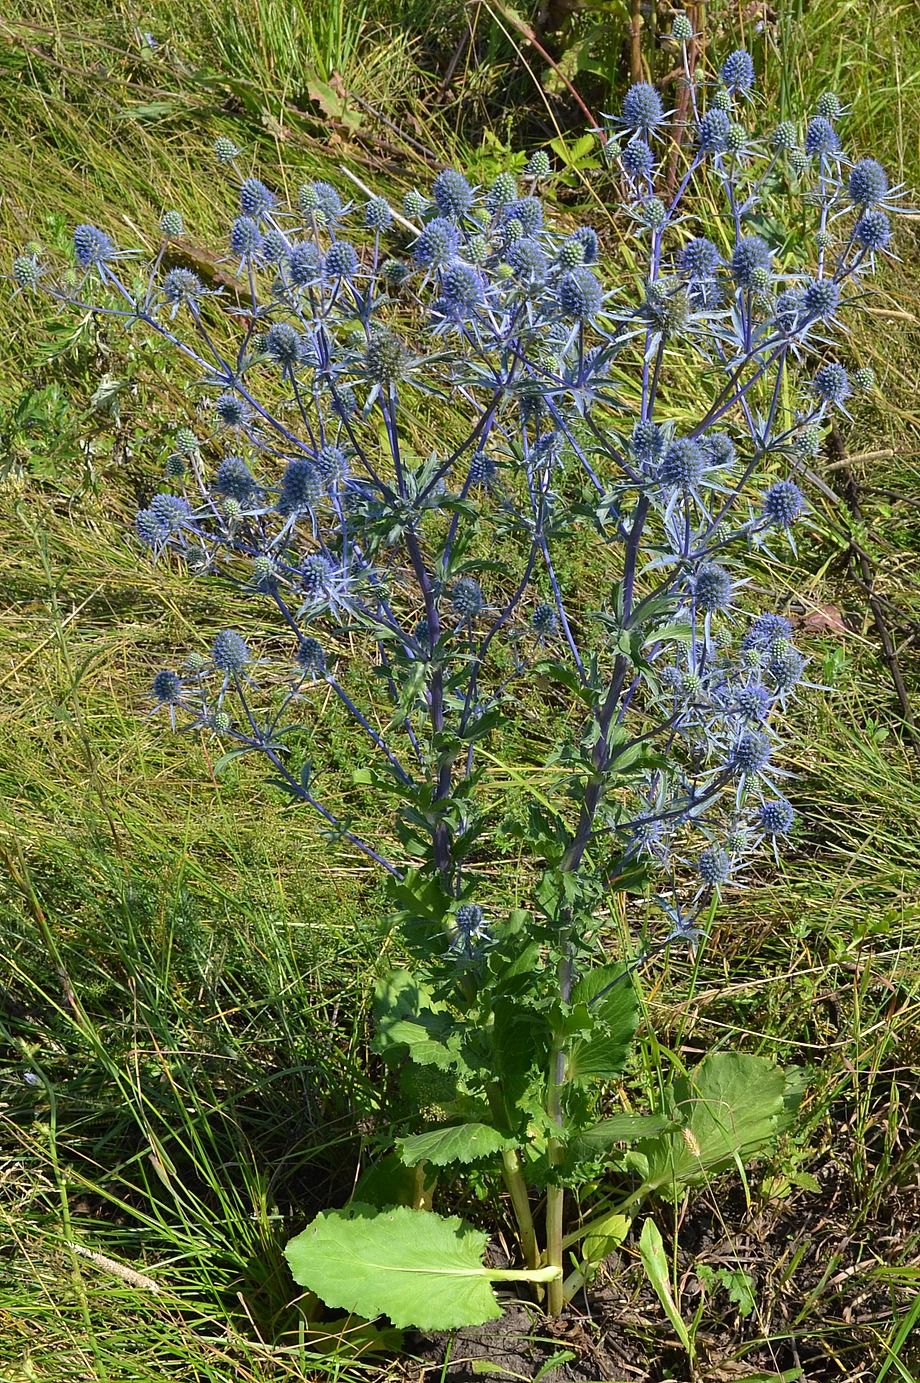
(648, 437)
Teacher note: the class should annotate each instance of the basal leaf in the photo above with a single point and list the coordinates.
(420, 1269)
(731, 1107)
(452, 1143)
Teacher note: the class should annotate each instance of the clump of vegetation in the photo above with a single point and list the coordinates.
(664, 782)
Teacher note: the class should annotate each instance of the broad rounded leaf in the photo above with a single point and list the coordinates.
(731, 1106)
(454, 1143)
(420, 1269)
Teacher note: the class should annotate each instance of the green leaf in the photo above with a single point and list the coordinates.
(390, 1182)
(655, 1263)
(731, 1107)
(407, 1016)
(453, 1143)
(668, 633)
(602, 1055)
(606, 1236)
(594, 1142)
(420, 1269)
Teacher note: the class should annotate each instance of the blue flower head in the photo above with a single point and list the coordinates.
(714, 866)
(544, 620)
(172, 511)
(712, 132)
(699, 259)
(719, 449)
(775, 818)
(738, 72)
(92, 246)
(235, 480)
(304, 264)
(580, 295)
(150, 528)
(230, 652)
(831, 384)
(315, 576)
(332, 464)
(452, 194)
(302, 487)
(182, 288)
(752, 703)
(245, 238)
(341, 260)
(751, 753)
(483, 470)
(821, 139)
(527, 257)
(683, 464)
(467, 599)
(786, 669)
(377, 214)
(642, 109)
(712, 588)
(231, 411)
(166, 688)
(867, 183)
(637, 159)
(647, 442)
(787, 310)
(751, 253)
(438, 243)
(873, 230)
(783, 504)
(820, 298)
(765, 630)
(255, 198)
(461, 286)
(283, 344)
(310, 657)
(586, 237)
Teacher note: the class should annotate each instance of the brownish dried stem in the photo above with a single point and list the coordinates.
(635, 41)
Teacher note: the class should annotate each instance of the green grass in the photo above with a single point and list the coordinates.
(187, 963)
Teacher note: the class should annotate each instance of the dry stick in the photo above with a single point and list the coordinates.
(516, 22)
(850, 496)
(465, 39)
(363, 187)
(683, 105)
